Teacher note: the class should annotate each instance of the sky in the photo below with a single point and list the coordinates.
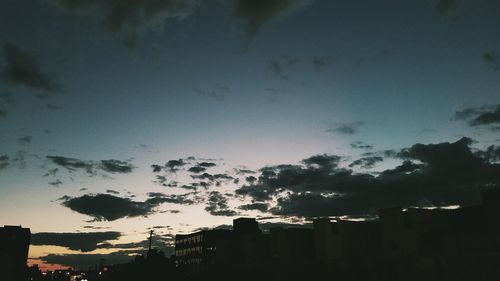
(121, 117)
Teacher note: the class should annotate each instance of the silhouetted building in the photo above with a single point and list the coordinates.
(14, 246)
(200, 248)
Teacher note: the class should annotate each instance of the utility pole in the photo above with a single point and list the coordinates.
(150, 239)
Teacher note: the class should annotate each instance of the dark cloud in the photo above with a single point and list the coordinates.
(346, 128)
(263, 207)
(282, 66)
(53, 106)
(156, 168)
(157, 198)
(446, 7)
(173, 165)
(82, 241)
(256, 13)
(243, 171)
(207, 164)
(320, 62)
(210, 177)
(479, 116)
(366, 162)
(251, 179)
(22, 68)
(491, 60)
(92, 167)
(360, 145)
(115, 166)
(438, 174)
(197, 169)
(405, 168)
(111, 191)
(127, 15)
(109, 207)
(217, 205)
(56, 183)
(4, 161)
(217, 93)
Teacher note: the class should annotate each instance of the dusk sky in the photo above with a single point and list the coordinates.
(122, 116)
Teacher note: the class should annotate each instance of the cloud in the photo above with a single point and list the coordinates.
(263, 207)
(256, 13)
(282, 67)
(320, 62)
(346, 128)
(217, 205)
(190, 198)
(109, 207)
(491, 60)
(480, 116)
(56, 183)
(111, 191)
(217, 93)
(81, 241)
(115, 166)
(173, 165)
(438, 174)
(92, 167)
(207, 164)
(446, 7)
(366, 162)
(23, 69)
(211, 178)
(197, 169)
(360, 145)
(129, 15)
(4, 161)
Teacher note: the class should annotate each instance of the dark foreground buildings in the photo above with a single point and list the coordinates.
(14, 246)
(402, 244)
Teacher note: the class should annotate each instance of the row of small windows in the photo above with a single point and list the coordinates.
(188, 251)
(189, 240)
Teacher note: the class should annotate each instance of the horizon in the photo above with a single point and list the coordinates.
(120, 118)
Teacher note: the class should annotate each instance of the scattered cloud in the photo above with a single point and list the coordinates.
(81, 241)
(25, 140)
(320, 62)
(346, 128)
(446, 7)
(491, 60)
(217, 93)
(130, 15)
(217, 205)
(197, 169)
(23, 69)
(257, 13)
(282, 67)
(480, 116)
(111, 191)
(92, 167)
(263, 207)
(4, 161)
(360, 145)
(366, 162)
(56, 183)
